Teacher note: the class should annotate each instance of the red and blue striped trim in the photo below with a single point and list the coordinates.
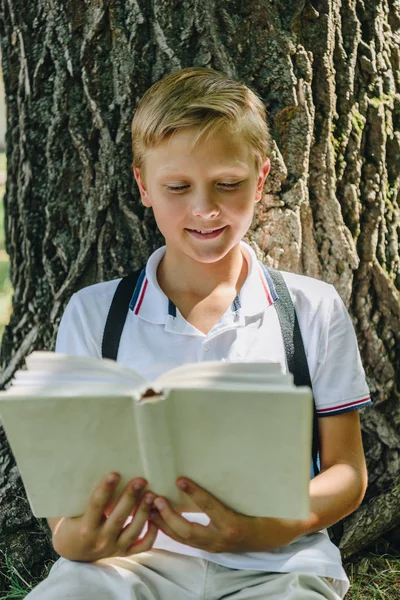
(139, 293)
(343, 408)
(171, 309)
(142, 283)
(268, 285)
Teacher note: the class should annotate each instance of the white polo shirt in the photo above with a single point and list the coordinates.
(157, 338)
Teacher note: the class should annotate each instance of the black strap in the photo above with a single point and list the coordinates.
(117, 315)
(294, 348)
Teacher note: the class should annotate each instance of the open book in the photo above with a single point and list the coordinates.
(240, 430)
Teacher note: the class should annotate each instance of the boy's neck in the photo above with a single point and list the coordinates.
(184, 276)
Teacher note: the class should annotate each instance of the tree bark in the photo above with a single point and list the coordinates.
(328, 71)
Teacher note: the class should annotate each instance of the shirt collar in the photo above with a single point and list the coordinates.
(258, 291)
(151, 304)
(148, 300)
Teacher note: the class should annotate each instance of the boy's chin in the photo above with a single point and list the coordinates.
(210, 256)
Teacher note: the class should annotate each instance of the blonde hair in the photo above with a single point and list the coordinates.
(202, 98)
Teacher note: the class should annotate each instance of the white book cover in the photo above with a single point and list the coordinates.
(240, 430)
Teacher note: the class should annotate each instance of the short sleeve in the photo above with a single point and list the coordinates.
(74, 336)
(336, 371)
(338, 381)
(82, 324)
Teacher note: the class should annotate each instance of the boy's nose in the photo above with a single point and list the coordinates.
(205, 207)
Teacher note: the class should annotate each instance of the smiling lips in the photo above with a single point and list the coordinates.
(203, 234)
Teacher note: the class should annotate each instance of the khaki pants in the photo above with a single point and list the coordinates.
(160, 575)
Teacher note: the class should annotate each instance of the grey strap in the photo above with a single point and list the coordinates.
(294, 347)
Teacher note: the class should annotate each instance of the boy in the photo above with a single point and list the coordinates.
(201, 147)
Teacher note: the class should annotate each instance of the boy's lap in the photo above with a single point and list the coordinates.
(110, 579)
(70, 580)
(162, 575)
(288, 586)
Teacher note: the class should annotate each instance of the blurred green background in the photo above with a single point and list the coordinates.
(5, 283)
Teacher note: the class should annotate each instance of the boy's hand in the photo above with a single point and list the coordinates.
(227, 531)
(101, 531)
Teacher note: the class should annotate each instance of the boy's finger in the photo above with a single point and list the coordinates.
(133, 491)
(181, 530)
(100, 498)
(131, 532)
(145, 543)
(156, 519)
(129, 502)
(208, 503)
(171, 522)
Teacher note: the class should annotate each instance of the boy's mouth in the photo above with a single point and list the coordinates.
(206, 234)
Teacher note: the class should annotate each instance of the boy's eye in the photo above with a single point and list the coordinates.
(176, 188)
(230, 186)
(223, 185)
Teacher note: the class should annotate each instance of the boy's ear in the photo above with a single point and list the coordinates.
(262, 176)
(142, 188)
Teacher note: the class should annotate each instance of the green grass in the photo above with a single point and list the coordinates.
(375, 574)
(18, 584)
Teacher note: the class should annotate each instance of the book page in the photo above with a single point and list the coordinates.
(64, 446)
(48, 369)
(252, 450)
(42, 378)
(52, 367)
(69, 389)
(218, 374)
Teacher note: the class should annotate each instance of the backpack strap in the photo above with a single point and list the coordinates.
(298, 366)
(117, 315)
(294, 347)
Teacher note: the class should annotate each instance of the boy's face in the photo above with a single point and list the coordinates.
(203, 197)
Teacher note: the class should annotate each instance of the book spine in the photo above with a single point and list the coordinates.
(156, 448)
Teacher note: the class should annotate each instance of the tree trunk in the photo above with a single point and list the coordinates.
(328, 71)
